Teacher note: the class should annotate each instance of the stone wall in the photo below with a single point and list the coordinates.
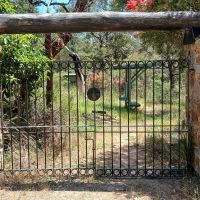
(193, 52)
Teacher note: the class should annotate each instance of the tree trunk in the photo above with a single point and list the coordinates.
(24, 99)
(79, 74)
(49, 86)
(53, 49)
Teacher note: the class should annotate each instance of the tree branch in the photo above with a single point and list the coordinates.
(65, 8)
(35, 3)
(38, 2)
(81, 5)
(78, 71)
(65, 37)
(57, 45)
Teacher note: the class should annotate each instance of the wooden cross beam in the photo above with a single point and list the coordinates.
(97, 22)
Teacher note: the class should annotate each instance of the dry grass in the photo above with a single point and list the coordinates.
(105, 189)
(61, 147)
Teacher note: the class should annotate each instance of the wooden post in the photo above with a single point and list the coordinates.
(97, 22)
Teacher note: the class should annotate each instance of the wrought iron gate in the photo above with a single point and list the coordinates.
(121, 119)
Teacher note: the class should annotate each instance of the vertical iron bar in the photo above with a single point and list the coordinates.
(77, 120)
(44, 119)
(162, 116)
(18, 121)
(61, 123)
(52, 115)
(69, 115)
(27, 121)
(179, 115)
(189, 145)
(153, 118)
(136, 113)
(103, 120)
(35, 115)
(94, 107)
(170, 120)
(145, 119)
(86, 133)
(129, 107)
(10, 115)
(111, 105)
(120, 121)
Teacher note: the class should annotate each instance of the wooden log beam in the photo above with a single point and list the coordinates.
(97, 22)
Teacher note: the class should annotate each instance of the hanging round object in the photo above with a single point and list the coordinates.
(93, 94)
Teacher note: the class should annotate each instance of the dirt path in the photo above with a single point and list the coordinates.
(119, 189)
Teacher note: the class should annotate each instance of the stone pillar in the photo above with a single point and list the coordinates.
(1, 149)
(193, 51)
(1, 136)
(1, 117)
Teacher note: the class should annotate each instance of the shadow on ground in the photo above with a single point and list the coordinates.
(90, 188)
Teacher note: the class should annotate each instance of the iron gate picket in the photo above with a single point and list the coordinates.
(121, 119)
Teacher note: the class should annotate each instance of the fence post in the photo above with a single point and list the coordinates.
(1, 150)
(1, 137)
(1, 121)
(193, 52)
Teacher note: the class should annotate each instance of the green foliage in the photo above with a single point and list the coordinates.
(176, 5)
(22, 61)
(168, 44)
(102, 46)
(22, 6)
(118, 5)
(19, 53)
(6, 7)
(21, 48)
(121, 45)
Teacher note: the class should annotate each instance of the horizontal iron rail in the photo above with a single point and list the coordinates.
(57, 132)
(97, 22)
(58, 126)
(114, 172)
(89, 168)
(116, 65)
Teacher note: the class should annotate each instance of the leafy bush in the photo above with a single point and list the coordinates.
(22, 61)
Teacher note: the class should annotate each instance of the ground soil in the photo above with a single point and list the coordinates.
(108, 189)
